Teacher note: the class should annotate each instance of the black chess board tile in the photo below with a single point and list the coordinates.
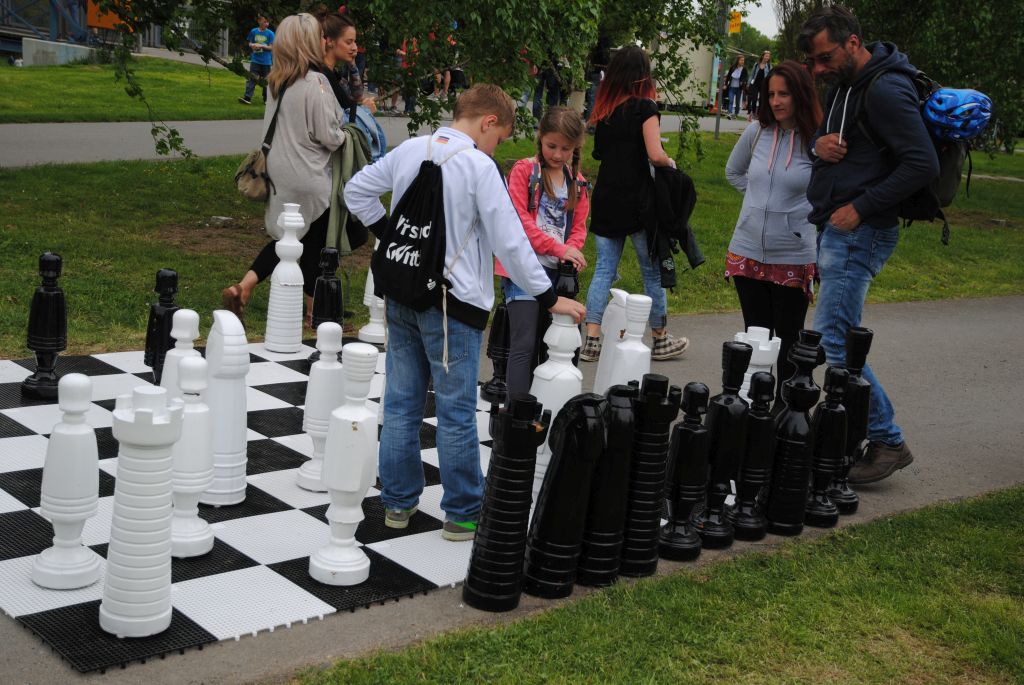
(431, 474)
(428, 436)
(146, 376)
(274, 423)
(372, 529)
(430, 408)
(24, 485)
(9, 428)
(256, 502)
(292, 393)
(300, 365)
(23, 533)
(89, 366)
(268, 455)
(100, 549)
(221, 559)
(106, 404)
(387, 581)
(74, 632)
(106, 443)
(11, 397)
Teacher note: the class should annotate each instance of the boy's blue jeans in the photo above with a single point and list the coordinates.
(848, 262)
(250, 85)
(415, 348)
(606, 272)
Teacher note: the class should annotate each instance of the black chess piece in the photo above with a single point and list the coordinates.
(494, 579)
(161, 315)
(727, 426)
(47, 330)
(748, 519)
(794, 447)
(328, 301)
(688, 476)
(606, 507)
(655, 409)
(829, 445)
(858, 396)
(496, 389)
(568, 283)
(556, 531)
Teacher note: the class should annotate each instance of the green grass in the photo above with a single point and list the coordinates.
(116, 223)
(77, 92)
(935, 596)
(999, 165)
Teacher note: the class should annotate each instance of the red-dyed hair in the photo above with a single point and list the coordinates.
(805, 103)
(628, 77)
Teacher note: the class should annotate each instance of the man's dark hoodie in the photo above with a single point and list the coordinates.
(875, 180)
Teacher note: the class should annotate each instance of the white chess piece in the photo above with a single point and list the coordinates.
(137, 592)
(766, 352)
(350, 468)
(556, 381)
(325, 392)
(227, 356)
(192, 459)
(613, 327)
(284, 309)
(184, 330)
(630, 358)
(373, 331)
(69, 491)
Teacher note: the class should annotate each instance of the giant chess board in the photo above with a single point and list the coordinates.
(255, 578)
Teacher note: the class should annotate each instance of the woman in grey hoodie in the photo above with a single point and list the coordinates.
(772, 253)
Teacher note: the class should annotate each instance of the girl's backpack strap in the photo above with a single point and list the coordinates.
(532, 187)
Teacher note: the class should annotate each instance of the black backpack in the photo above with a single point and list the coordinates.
(927, 203)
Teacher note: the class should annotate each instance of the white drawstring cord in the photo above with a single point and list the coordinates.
(842, 124)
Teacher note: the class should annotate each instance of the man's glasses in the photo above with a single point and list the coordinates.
(822, 59)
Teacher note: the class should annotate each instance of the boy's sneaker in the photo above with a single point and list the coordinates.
(668, 346)
(591, 351)
(458, 531)
(398, 518)
(244, 101)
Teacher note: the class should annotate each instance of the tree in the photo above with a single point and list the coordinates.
(751, 42)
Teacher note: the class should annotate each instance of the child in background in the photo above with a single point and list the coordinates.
(550, 195)
(261, 42)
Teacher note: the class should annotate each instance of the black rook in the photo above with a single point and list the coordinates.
(47, 329)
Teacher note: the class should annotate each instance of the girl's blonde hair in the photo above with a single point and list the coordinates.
(568, 123)
(297, 49)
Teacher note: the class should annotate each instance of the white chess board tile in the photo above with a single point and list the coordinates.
(301, 443)
(97, 527)
(12, 373)
(20, 596)
(281, 484)
(265, 373)
(483, 423)
(244, 602)
(485, 458)
(376, 386)
(109, 465)
(270, 538)
(9, 504)
(430, 501)
(26, 452)
(261, 351)
(257, 401)
(130, 362)
(42, 418)
(481, 404)
(250, 434)
(380, 361)
(429, 456)
(109, 387)
(429, 555)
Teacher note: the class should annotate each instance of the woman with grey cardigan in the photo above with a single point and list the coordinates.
(308, 131)
(772, 253)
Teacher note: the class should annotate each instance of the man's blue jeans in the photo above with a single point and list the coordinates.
(848, 262)
(606, 272)
(415, 350)
(250, 85)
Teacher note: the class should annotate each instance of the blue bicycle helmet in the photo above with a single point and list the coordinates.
(957, 113)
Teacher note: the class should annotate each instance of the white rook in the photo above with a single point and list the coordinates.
(766, 352)
(227, 356)
(184, 330)
(69, 491)
(137, 593)
(613, 327)
(630, 358)
(284, 309)
(350, 468)
(325, 391)
(193, 463)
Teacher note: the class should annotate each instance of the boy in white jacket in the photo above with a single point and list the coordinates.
(474, 194)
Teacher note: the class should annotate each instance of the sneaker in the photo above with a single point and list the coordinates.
(591, 351)
(398, 518)
(668, 347)
(457, 531)
(880, 461)
(244, 101)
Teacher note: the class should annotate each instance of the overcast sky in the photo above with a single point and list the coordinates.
(762, 18)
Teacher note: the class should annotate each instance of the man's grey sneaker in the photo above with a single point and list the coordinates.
(668, 347)
(458, 532)
(591, 351)
(398, 518)
(244, 101)
(880, 461)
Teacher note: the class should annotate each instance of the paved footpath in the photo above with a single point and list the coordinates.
(952, 368)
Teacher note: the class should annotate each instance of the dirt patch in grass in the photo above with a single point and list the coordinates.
(228, 237)
(982, 220)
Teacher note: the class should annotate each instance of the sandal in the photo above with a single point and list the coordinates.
(231, 299)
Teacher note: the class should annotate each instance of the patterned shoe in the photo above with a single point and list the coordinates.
(591, 349)
(398, 518)
(668, 347)
(456, 531)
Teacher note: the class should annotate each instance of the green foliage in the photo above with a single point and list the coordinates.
(752, 43)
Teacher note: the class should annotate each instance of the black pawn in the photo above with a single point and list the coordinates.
(556, 532)
(829, 445)
(494, 579)
(727, 425)
(748, 519)
(655, 409)
(496, 390)
(161, 315)
(688, 476)
(794, 447)
(606, 508)
(858, 396)
(47, 330)
(567, 285)
(328, 302)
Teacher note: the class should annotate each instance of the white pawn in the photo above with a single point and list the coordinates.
(69, 491)
(613, 327)
(556, 381)
(630, 358)
(373, 331)
(766, 352)
(325, 392)
(227, 356)
(137, 592)
(350, 468)
(192, 457)
(184, 330)
(284, 309)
